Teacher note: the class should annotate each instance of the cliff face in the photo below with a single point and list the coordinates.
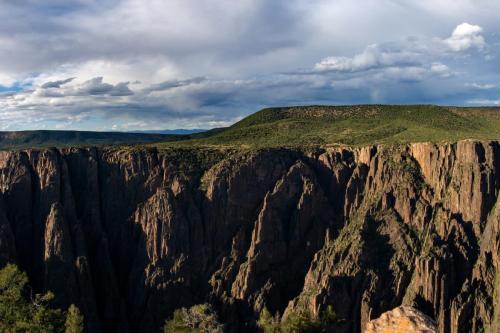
(129, 236)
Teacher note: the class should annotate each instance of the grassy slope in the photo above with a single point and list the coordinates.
(299, 127)
(353, 125)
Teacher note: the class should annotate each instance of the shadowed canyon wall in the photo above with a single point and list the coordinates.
(131, 235)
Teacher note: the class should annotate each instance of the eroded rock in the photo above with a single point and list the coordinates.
(131, 235)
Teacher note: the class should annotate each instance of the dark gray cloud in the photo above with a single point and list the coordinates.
(96, 86)
(174, 84)
(56, 84)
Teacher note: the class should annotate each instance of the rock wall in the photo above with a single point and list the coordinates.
(131, 235)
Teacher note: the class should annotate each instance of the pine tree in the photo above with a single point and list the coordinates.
(199, 318)
(74, 320)
(20, 311)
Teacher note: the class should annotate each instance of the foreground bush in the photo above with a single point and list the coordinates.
(21, 311)
(74, 320)
(199, 318)
(297, 322)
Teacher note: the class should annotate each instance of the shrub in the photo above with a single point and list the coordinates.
(22, 312)
(268, 323)
(74, 320)
(297, 322)
(199, 318)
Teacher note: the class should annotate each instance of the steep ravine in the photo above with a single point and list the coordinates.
(131, 235)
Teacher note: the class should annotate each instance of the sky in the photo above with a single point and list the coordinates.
(127, 65)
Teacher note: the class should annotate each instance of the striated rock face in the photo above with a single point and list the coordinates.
(131, 235)
(402, 319)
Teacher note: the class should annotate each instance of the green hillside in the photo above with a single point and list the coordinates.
(298, 127)
(42, 139)
(353, 125)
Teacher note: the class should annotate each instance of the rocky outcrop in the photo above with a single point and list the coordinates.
(402, 319)
(131, 235)
(289, 229)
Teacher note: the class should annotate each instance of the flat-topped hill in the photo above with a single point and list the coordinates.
(355, 125)
(299, 126)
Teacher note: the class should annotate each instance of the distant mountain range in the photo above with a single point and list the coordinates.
(45, 138)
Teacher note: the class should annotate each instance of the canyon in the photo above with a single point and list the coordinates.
(130, 235)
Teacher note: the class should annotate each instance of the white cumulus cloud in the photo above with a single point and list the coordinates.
(373, 56)
(466, 36)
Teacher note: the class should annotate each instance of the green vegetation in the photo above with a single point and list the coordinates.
(74, 320)
(300, 126)
(297, 322)
(60, 139)
(199, 318)
(352, 125)
(20, 311)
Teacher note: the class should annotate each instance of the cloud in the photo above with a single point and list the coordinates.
(202, 63)
(494, 102)
(374, 56)
(466, 36)
(412, 52)
(93, 87)
(56, 84)
(485, 86)
(406, 60)
(170, 84)
(440, 69)
(96, 86)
